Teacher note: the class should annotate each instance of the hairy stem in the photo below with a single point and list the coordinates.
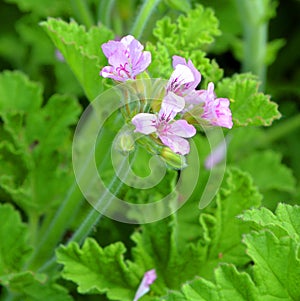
(255, 34)
(143, 16)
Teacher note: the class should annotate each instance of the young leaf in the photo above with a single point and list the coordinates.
(14, 248)
(248, 106)
(100, 270)
(188, 37)
(81, 49)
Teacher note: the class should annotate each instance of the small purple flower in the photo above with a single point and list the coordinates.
(216, 110)
(144, 288)
(126, 57)
(170, 132)
(185, 77)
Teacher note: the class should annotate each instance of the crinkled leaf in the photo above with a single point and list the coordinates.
(81, 49)
(30, 287)
(248, 106)
(284, 222)
(100, 270)
(14, 248)
(188, 37)
(222, 230)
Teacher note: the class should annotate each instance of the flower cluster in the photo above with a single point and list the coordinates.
(127, 59)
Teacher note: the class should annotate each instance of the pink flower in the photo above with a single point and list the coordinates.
(170, 132)
(185, 77)
(126, 57)
(216, 110)
(144, 288)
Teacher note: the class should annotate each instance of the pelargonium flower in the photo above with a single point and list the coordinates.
(215, 110)
(172, 133)
(144, 288)
(185, 77)
(126, 57)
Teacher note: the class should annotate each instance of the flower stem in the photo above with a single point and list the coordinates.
(92, 217)
(82, 12)
(104, 12)
(255, 27)
(143, 17)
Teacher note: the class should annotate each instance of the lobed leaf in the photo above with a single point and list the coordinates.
(14, 248)
(248, 106)
(100, 270)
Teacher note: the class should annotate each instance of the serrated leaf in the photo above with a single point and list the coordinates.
(100, 270)
(284, 222)
(14, 248)
(248, 106)
(222, 230)
(233, 285)
(188, 37)
(30, 287)
(277, 265)
(81, 49)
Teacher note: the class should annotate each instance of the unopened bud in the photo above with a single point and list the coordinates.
(173, 160)
(125, 142)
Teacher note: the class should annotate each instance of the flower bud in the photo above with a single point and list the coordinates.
(173, 160)
(125, 142)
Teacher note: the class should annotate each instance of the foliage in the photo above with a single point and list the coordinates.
(243, 246)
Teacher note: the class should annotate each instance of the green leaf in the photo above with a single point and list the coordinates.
(233, 285)
(271, 174)
(277, 265)
(81, 49)
(222, 230)
(189, 37)
(100, 270)
(42, 8)
(284, 222)
(38, 140)
(248, 106)
(30, 287)
(14, 249)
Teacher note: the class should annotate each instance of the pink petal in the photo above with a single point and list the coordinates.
(142, 63)
(182, 128)
(127, 40)
(177, 144)
(178, 60)
(145, 123)
(144, 287)
(170, 106)
(111, 47)
(110, 72)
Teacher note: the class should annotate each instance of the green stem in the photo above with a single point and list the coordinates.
(82, 12)
(143, 17)
(281, 130)
(92, 218)
(255, 26)
(104, 12)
